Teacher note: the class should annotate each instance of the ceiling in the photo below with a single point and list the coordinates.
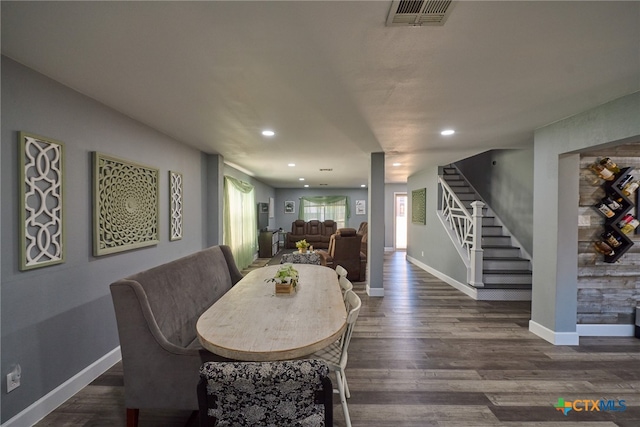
(330, 78)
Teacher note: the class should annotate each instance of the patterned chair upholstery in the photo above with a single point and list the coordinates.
(270, 394)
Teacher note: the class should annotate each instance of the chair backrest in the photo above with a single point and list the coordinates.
(299, 227)
(341, 271)
(353, 304)
(346, 285)
(287, 393)
(313, 227)
(344, 249)
(329, 227)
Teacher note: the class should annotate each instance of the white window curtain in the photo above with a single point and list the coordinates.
(325, 207)
(240, 226)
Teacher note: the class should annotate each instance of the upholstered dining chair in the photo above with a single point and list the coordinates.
(336, 354)
(288, 393)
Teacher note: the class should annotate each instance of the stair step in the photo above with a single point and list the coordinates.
(467, 196)
(502, 277)
(492, 230)
(488, 220)
(457, 183)
(496, 241)
(501, 251)
(450, 170)
(501, 264)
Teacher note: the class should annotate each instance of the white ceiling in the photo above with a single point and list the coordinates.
(330, 78)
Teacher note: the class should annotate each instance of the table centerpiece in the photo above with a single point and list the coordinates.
(286, 279)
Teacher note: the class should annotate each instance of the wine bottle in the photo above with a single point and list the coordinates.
(614, 205)
(630, 226)
(611, 239)
(601, 171)
(610, 164)
(630, 188)
(603, 248)
(606, 210)
(625, 181)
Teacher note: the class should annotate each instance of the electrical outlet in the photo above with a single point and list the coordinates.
(13, 378)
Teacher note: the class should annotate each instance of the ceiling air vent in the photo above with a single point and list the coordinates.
(417, 13)
(326, 169)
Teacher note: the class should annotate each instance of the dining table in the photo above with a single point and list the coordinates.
(252, 323)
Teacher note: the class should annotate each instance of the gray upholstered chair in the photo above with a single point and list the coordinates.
(289, 393)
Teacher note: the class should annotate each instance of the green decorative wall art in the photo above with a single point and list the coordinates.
(41, 201)
(419, 206)
(175, 198)
(125, 205)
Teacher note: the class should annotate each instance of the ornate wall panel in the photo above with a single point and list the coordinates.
(41, 207)
(125, 205)
(175, 196)
(419, 206)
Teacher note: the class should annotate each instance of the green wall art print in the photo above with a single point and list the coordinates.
(41, 202)
(125, 205)
(419, 206)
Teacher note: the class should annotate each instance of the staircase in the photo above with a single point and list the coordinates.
(506, 275)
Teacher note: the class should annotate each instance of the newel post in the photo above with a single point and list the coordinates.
(476, 250)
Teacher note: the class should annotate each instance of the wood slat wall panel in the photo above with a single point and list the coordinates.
(607, 293)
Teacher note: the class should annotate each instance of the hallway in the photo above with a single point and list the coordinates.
(428, 355)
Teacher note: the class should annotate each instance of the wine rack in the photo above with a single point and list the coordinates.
(611, 224)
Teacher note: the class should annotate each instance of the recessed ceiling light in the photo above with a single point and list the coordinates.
(397, 164)
(291, 165)
(268, 132)
(363, 185)
(447, 132)
(306, 185)
(300, 179)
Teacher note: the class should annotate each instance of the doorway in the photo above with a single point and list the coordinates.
(400, 221)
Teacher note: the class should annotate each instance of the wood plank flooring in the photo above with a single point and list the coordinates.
(428, 355)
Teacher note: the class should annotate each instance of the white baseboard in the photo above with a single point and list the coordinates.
(56, 397)
(556, 338)
(375, 292)
(593, 330)
(472, 292)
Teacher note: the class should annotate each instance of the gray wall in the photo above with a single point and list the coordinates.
(556, 172)
(283, 194)
(57, 320)
(429, 243)
(504, 179)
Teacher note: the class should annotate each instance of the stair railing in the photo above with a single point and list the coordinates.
(466, 230)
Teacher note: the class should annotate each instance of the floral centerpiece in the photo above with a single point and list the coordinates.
(302, 245)
(286, 279)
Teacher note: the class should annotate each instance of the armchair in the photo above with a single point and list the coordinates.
(344, 250)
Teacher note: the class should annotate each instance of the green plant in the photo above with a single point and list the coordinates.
(285, 275)
(302, 244)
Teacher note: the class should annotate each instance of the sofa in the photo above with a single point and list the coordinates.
(156, 312)
(364, 230)
(316, 233)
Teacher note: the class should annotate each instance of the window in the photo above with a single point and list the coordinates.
(325, 207)
(240, 231)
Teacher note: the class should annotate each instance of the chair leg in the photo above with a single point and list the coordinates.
(343, 399)
(132, 417)
(346, 386)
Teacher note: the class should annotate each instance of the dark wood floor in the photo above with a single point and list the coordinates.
(427, 355)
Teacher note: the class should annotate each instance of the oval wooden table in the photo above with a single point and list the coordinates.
(251, 323)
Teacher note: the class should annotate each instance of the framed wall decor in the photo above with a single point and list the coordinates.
(176, 204)
(361, 207)
(419, 206)
(41, 201)
(289, 207)
(125, 205)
